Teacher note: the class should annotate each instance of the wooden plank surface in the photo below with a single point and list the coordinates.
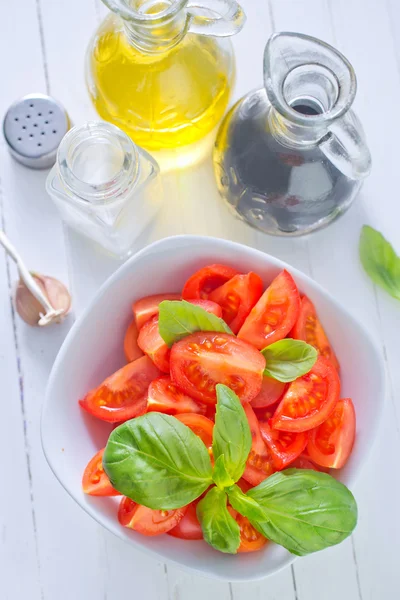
(61, 552)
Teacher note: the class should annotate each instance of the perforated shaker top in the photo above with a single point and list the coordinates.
(33, 129)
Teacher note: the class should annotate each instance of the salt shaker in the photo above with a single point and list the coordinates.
(105, 186)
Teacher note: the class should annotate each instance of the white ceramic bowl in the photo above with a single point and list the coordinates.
(93, 350)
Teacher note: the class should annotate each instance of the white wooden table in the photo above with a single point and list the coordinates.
(49, 548)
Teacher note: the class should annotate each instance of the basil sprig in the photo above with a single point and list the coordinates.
(159, 462)
(380, 261)
(289, 359)
(178, 318)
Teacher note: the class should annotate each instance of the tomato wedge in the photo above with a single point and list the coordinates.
(331, 443)
(146, 520)
(146, 308)
(152, 344)
(272, 390)
(189, 527)
(251, 540)
(285, 446)
(309, 329)
(275, 313)
(95, 481)
(123, 395)
(165, 397)
(131, 348)
(207, 279)
(309, 400)
(259, 464)
(203, 359)
(237, 297)
(200, 425)
(303, 463)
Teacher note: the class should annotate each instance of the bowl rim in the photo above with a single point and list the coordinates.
(106, 285)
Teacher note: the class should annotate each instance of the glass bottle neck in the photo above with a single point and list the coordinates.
(157, 37)
(293, 135)
(97, 162)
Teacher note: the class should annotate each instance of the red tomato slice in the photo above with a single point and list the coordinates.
(146, 520)
(203, 359)
(309, 400)
(207, 279)
(152, 344)
(94, 481)
(251, 540)
(189, 527)
(274, 314)
(259, 463)
(131, 348)
(331, 443)
(146, 308)
(264, 414)
(123, 395)
(285, 446)
(237, 297)
(164, 396)
(272, 390)
(309, 329)
(209, 306)
(200, 425)
(303, 463)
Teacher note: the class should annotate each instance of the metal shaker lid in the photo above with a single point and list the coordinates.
(33, 129)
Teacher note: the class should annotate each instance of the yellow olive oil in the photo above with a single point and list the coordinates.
(162, 100)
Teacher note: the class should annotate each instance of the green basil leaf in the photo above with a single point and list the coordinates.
(245, 505)
(157, 461)
(304, 511)
(220, 529)
(289, 359)
(231, 436)
(178, 318)
(221, 476)
(380, 261)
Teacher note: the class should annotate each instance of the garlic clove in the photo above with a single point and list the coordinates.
(30, 309)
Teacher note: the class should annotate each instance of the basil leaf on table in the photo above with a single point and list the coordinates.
(231, 435)
(157, 461)
(302, 510)
(289, 359)
(178, 318)
(220, 529)
(380, 261)
(220, 475)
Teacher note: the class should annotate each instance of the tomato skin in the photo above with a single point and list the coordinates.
(309, 400)
(203, 359)
(331, 443)
(131, 348)
(251, 540)
(147, 308)
(209, 306)
(302, 462)
(309, 329)
(95, 481)
(272, 390)
(189, 527)
(123, 395)
(284, 446)
(237, 297)
(200, 425)
(207, 279)
(147, 521)
(152, 344)
(165, 397)
(259, 464)
(275, 313)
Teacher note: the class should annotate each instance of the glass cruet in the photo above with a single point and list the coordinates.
(290, 157)
(163, 70)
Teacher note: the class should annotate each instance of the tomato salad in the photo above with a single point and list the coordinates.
(300, 422)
